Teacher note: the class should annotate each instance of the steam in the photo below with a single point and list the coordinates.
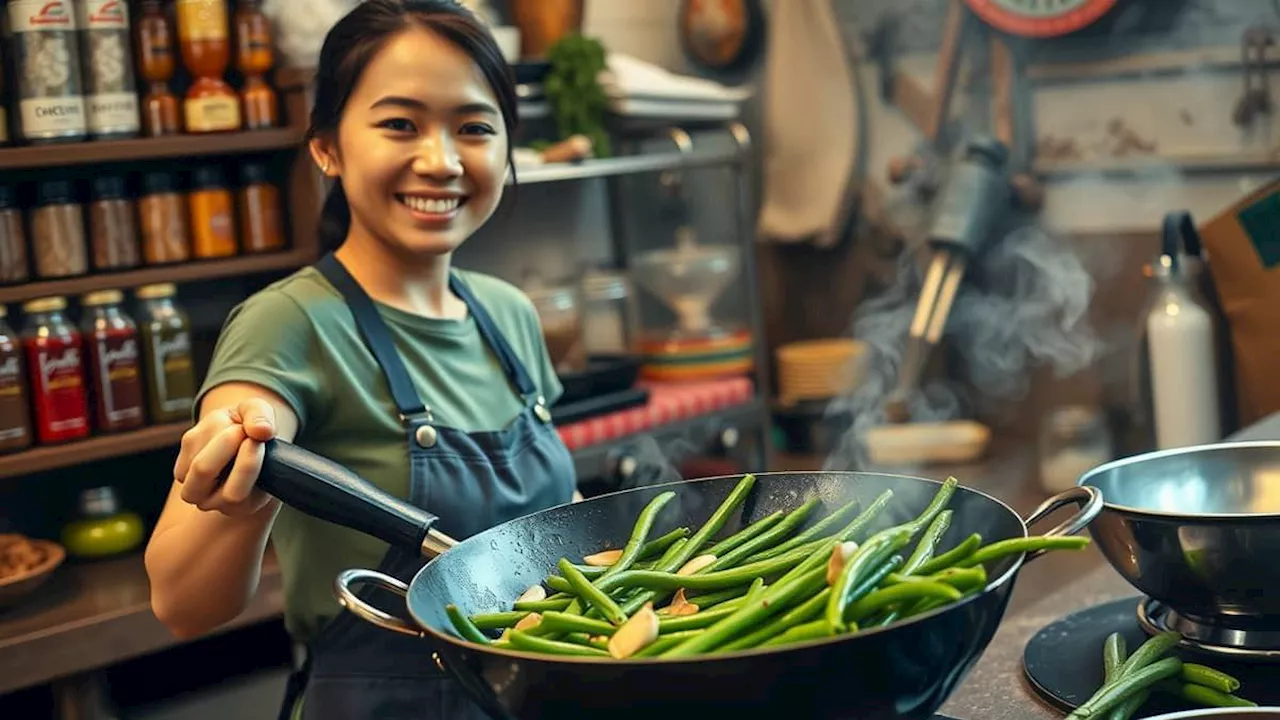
(1023, 305)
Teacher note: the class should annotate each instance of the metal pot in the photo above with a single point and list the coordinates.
(1259, 713)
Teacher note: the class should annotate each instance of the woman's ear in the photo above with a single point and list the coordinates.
(323, 152)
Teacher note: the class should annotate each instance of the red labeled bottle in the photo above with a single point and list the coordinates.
(115, 362)
(54, 349)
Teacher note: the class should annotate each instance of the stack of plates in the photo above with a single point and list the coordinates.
(819, 369)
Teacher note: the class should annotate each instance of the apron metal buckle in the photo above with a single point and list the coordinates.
(540, 409)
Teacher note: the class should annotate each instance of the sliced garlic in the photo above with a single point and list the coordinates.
(696, 564)
(536, 593)
(635, 634)
(680, 605)
(603, 559)
(528, 621)
(839, 555)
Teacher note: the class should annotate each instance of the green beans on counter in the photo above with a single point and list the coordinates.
(809, 573)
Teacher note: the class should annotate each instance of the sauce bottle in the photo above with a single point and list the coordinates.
(55, 364)
(111, 99)
(254, 58)
(166, 339)
(15, 408)
(211, 104)
(156, 64)
(115, 362)
(213, 214)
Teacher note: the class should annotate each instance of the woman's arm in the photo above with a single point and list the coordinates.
(204, 559)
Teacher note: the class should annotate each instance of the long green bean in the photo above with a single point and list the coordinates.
(737, 539)
(817, 530)
(770, 537)
(593, 594)
(639, 534)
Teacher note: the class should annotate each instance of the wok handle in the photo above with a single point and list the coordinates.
(326, 490)
(363, 610)
(1090, 501)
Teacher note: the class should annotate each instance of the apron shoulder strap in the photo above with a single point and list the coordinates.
(511, 364)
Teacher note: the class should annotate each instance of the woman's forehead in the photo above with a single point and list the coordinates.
(422, 65)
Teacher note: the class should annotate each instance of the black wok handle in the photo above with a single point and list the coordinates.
(329, 491)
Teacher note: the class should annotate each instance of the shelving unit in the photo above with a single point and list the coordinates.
(144, 149)
(101, 447)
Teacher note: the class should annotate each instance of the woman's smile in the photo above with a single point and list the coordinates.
(432, 209)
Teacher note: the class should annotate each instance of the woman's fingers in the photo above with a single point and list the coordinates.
(203, 476)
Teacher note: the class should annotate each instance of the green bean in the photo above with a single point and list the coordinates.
(659, 545)
(895, 594)
(1148, 652)
(593, 594)
(774, 600)
(543, 605)
(1209, 677)
(807, 611)
(962, 579)
(639, 533)
(1128, 684)
(735, 540)
(813, 533)
(936, 505)
(523, 641)
(464, 626)
(952, 556)
(866, 558)
(560, 584)
(1114, 653)
(1210, 697)
(498, 620)
(771, 537)
(665, 643)
(711, 599)
(800, 633)
(709, 581)
(678, 623)
(1014, 546)
(1126, 709)
(579, 638)
(713, 525)
(576, 623)
(676, 548)
(928, 543)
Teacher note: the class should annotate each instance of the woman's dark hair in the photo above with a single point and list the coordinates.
(352, 43)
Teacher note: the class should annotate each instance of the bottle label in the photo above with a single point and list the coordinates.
(202, 19)
(174, 371)
(52, 116)
(104, 15)
(14, 426)
(113, 112)
(61, 382)
(119, 379)
(40, 15)
(212, 114)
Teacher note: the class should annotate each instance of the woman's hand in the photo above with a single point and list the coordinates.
(233, 437)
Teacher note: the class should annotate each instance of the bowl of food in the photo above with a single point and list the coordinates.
(25, 564)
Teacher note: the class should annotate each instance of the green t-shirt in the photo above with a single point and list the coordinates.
(297, 337)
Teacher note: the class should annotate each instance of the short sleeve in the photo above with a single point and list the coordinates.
(269, 340)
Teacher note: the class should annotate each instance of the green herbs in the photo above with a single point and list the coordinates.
(573, 89)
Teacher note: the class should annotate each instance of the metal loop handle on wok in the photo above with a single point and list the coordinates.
(1088, 497)
(348, 599)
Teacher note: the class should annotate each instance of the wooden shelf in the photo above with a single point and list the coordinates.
(625, 165)
(177, 273)
(98, 447)
(177, 146)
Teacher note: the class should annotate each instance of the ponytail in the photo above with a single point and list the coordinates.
(335, 218)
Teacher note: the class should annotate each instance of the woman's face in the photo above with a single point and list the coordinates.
(421, 148)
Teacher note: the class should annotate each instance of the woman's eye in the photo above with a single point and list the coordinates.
(397, 125)
(478, 129)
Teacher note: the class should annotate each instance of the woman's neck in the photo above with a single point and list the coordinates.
(415, 285)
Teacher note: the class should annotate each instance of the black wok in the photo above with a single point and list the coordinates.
(905, 670)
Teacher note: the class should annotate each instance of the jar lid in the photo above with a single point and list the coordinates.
(45, 304)
(99, 501)
(158, 290)
(108, 187)
(207, 177)
(102, 297)
(252, 173)
(7, 198)
(54, 192)
(157, 183)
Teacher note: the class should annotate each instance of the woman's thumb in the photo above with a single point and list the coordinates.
(258, 418)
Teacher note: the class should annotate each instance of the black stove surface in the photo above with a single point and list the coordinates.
(1063, 661)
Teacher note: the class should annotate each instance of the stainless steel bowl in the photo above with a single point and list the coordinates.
(1259, 713)
(1196, 529)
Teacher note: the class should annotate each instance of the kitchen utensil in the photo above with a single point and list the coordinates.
(1196, 530)
(819, 369)
(905, 670)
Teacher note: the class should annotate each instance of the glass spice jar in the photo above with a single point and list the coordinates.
(15, 408)
(44, 55)
(156, 64)
(254, 58)
(211, 104)
(213, 222)
(57, 232)
(162, 214)
(13, 239)
(166, 340)
(113, 233)
(115, 362)
(261, 226)
(54, 361)
(111, 99)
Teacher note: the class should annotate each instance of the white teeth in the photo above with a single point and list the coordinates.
(431, 205)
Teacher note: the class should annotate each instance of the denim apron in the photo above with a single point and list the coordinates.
(472, 481)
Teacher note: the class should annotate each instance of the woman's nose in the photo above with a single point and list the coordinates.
(437, 156)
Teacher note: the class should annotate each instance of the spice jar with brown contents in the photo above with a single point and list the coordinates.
(261, 226)
(254, 58)
(211, 104)
(156, 64)
(213, 214)
(15, 408)
(13, 239)
(112, 230)
(57, 232)
(115, 362)
(166, 340)
(111, 98)
(162, 211)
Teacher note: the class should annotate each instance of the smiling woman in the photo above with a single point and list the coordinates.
(431, 382)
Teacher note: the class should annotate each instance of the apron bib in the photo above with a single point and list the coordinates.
(472, 481)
